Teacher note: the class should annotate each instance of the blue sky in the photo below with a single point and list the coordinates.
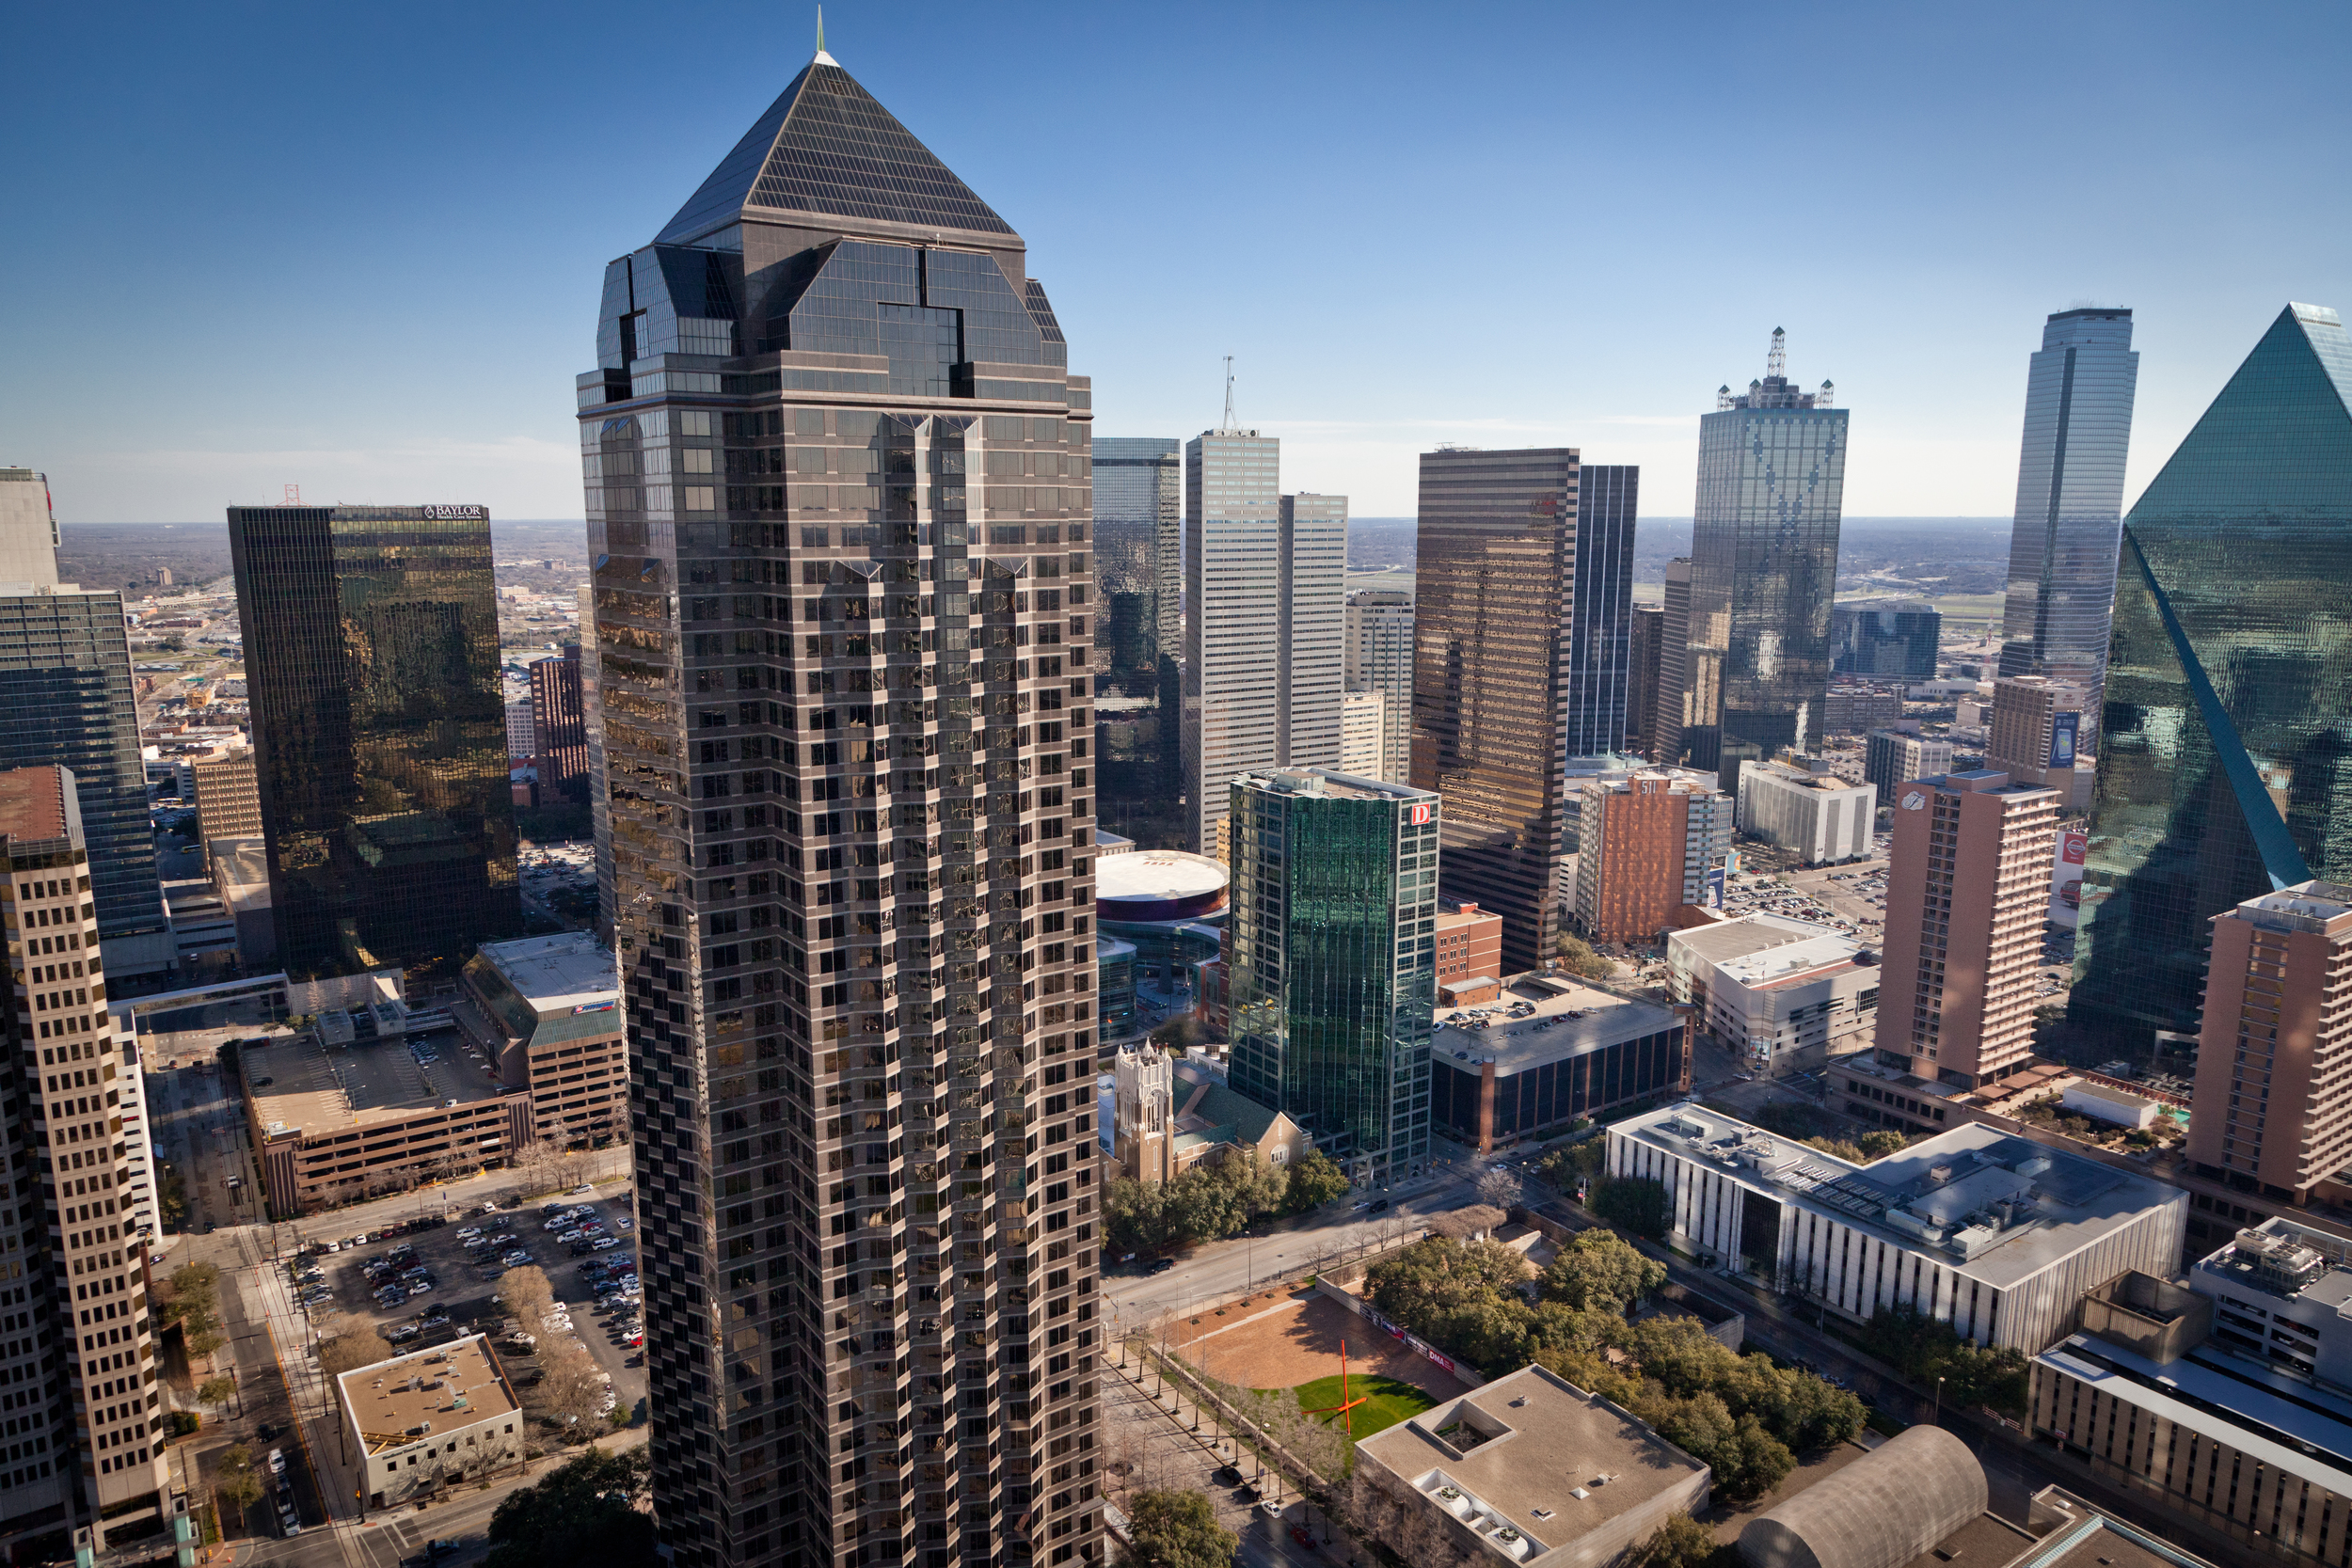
(357, 248)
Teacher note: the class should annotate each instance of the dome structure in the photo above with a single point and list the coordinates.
(1882, 1510)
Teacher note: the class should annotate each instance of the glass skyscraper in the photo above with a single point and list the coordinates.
(1331, 960)
(1600, 619)
(1763, 570)
(1138, 572)
(1380, 660)
(2225, 756)
(379, 733)
(2070, 501)
(1899, 640)
(839, 498)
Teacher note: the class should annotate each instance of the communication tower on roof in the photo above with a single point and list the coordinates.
(1228, 428)
(1777, 362)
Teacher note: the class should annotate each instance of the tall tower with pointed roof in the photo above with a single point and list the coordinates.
(839, 498)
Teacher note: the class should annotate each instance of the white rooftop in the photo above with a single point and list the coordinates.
(561, 971)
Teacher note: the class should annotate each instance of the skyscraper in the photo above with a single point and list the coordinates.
(1333, 961)
(2223, 768)
(29, 530)
(1670, 708)
(371, 656)
(1314, 638)
(847, 701)
(1644, 634)
(1138, 572)
(1763, 569)
(1896, 639)
(591, 720)
(1967, 893)
(1645, 843)
(1600, 614)
(559, 727)
(2070, 501)
(82, 1420)
(1380, 661)
(1496, 588)
(2034, 735)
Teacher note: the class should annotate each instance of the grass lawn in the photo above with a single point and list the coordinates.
(1387, 1400)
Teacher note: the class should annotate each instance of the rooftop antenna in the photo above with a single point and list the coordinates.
(821, 56)
(1228, 426)
(294, 495)
(1777, 362)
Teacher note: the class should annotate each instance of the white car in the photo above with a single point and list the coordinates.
(277, 1462)
(469, 1233)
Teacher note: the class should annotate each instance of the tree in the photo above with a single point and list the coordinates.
(353, 1346)
(216, 1390)
(1136, 1217)
(1635, 1203)
(235, 1481)
(1577, 957)
(1877, 1146)
(1173, 1530)
(1599, 1270)
(1462, 1225)
(583, 1512)
(527, 1295)
(1314, 1180)
(1571, 1167)
(1681, 1542)
(1497, 1189)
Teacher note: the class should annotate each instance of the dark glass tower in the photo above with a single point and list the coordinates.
(1601, 621)
(839, 498)
(1763, 570)
(2225, 755)
(371, 656)
(1138, 571)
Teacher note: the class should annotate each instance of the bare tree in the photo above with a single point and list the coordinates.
(527, 1294)
(353, 1346)
(1499, 1188)
(1460, 1225)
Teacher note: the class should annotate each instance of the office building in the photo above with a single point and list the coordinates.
(424, 1423)
(1670, 708)
(522, 727)
(869, 881)
(2223, 773)
(2271, 1108)
(1576, 1052)
(1496, 585)
(1899, 641)
(1311, 668)
(1138, 575)
(1645, 844)
(2034, 734)
(1968, 894)
(65, 699)
(370, 641)
(1999, 1237)
(1363, 733)
(547, 1010)
(2079, 388)
(1645, 632)
(1786, 995)
(28, 529)
(1601, 611)
(559, 727)
(1771, 492)
(592, 721)
(1469, 948)
(1854, 708)
(1890, 757)
(1801, 805)
(1380, 658)
(1332, 973)
(1233, 600)
(84, 1425)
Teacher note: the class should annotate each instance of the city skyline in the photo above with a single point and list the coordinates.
(1930, 347)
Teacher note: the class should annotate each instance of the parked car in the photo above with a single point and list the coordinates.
(277, 1462)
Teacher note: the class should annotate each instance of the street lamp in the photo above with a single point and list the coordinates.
(1939, 1402)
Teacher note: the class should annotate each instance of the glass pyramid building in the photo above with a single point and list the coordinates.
(2225, 761)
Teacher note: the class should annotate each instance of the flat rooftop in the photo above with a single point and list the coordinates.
(1938, 1189)
(1541, 1018)
(320, 1088)
(1533, 1453)
(2290, 1426)
(556, 972)
(1761, 951)
(448, 1389)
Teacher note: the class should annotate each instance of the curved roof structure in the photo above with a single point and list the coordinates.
(1882, 1510)
(1158, 884)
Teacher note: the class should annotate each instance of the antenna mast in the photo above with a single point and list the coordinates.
(1777, 362)
(1228, 427)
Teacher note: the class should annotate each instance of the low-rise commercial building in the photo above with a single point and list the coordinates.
(428, 1420)
(1999, 1237)
(1547, 1051)
(1786, 993)
(1803, 806)
(547, 1010)
(1469, 944)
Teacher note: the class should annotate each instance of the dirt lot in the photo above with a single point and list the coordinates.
(1297, 1341)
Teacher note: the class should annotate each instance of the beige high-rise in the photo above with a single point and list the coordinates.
(2274, 1060)
(2035, 735)
(1967, 894)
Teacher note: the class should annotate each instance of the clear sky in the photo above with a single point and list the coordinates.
(359, 247)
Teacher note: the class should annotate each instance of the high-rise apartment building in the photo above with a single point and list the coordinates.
(66, 698)
(1899, 641)
(1770, 493)
(1600, 614)
(1363, 732)
(840, 497)
(1670, 708)
(2273, 1105)
(1645, 845)
(227, 797)
(84, 1414)
(1644, 633)
(1331, 960)
(2222, 773)
(1380, 660)
(1138, 574)
(28, 529)
(1890, 757)
(1497, 585)
(2035, 735)
(1967, 893)
(592, 720)
(372, 660)
(559, 726)
(2070, 501)
(1310, 670)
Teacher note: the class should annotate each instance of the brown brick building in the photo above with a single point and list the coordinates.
(1646, 845)
(1470, 944)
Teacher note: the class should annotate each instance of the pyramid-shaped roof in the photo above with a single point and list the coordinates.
(2277, 440)
(827, 151)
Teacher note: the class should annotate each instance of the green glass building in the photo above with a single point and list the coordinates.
(2225, 755)
(1333, 963)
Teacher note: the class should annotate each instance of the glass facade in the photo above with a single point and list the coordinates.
(1138, 571)
(1311, 645)
(1331, 961)
(1899, 641)
(66, 698)
(1763, 572)
(1380, 660)
(2070, 501)
(847, 687)
(1232, 620)
(2225, 757)
(371, 657)
(1600, 618)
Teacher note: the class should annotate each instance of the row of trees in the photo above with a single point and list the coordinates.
(1924, 1349)
(1210, 1202)
(571, 1392)
(1468, 1297)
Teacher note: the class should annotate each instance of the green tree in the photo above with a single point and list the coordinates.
(1877, 1146)
(1681, 1542)
(1600, 1269)
(235, 1480)
(216, 1390)
(1136, 1214)
(1577, 957)
(1173, 1530)
(1634, 1203)
(582, 1512)
(1313, 1181)
(1572, 1166)
(1924, 1349)
(1747, 1460)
